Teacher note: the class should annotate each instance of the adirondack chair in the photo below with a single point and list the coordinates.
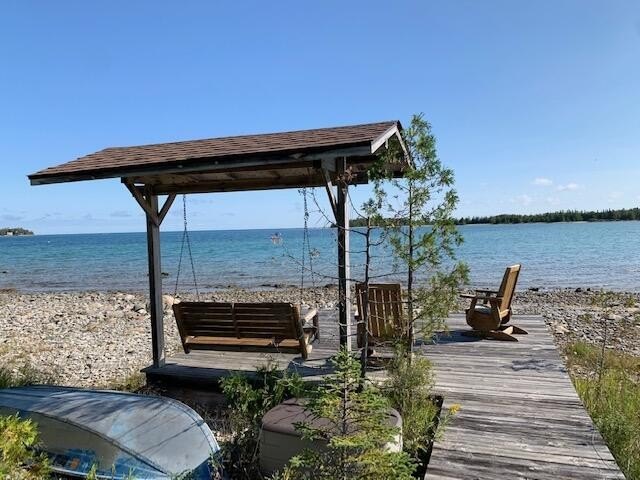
(271, 327)
(491, 317)
(385, 313)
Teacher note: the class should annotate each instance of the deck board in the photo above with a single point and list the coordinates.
(520, 417)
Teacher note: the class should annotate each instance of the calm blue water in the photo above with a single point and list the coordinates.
(605, 254)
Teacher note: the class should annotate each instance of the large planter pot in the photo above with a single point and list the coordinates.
(280, 440)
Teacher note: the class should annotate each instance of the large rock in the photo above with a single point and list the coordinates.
(167, 301)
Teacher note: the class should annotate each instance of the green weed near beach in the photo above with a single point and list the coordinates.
(611, 394)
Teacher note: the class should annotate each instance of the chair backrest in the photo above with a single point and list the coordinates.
(240, 320)
(508, 286)
(384, 308)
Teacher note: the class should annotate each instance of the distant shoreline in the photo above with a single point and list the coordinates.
(562, 216)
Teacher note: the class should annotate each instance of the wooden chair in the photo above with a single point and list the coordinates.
(385, 313)
(490, 318)
(271, 327)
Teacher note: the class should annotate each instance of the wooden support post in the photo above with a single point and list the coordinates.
(155, 279)
(344, 273)
(149, 203)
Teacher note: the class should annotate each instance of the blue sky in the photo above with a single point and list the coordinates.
(536, 105)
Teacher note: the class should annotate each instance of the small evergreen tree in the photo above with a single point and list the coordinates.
(354, 423)
(422, 234)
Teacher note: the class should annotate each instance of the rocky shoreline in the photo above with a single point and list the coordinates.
(100, 338)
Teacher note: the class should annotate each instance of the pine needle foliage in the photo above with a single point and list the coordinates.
(418, 213)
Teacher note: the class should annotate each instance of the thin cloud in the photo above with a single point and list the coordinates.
(121, 214)
(8, 217)
(571, 186)
(542, 182)
(524, 199)
(613, 196)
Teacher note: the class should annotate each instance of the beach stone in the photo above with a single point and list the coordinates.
(167, 301)
(91, 339)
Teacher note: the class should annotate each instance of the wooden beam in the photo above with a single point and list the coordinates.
(142, 201)
(329, 187)
(155, 281)
(344, 284)
(165, 208)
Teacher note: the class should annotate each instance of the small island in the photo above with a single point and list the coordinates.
(14, 232)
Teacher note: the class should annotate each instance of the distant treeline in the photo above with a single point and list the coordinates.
(15, 231)
(551, 217)
(561, 216)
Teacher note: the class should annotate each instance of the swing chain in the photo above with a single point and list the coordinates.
(306, 246)
(186, 240)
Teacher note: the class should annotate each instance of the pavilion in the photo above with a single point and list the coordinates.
(332, 158)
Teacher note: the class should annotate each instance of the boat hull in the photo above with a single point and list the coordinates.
(119, 434)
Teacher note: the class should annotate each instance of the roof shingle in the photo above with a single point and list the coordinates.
(119, 160)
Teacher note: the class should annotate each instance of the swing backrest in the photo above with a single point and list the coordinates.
(202, 323)
(267, 320)
(210, 319)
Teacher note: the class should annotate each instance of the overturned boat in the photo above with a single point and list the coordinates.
(120, 435)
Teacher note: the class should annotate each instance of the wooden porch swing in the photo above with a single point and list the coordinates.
(263, 327)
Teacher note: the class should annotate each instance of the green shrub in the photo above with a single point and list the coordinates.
(355, 427)
(409, 388)
(248, 402)
(18, 457)
(132, 383)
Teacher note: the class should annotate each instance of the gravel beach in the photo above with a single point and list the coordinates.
(100, 338)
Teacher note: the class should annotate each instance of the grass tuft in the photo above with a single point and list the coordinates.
(612, 398)
(25, 375)
(133, 383)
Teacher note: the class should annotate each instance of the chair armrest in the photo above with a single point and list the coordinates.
(478, 297)
(487, 292)
(314, 329)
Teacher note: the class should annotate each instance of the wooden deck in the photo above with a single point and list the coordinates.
(519, 418)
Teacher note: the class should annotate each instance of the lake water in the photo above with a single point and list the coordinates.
(605, 254)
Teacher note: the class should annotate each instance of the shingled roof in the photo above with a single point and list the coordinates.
(357, 141)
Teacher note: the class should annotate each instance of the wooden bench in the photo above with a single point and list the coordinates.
(272, 327)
